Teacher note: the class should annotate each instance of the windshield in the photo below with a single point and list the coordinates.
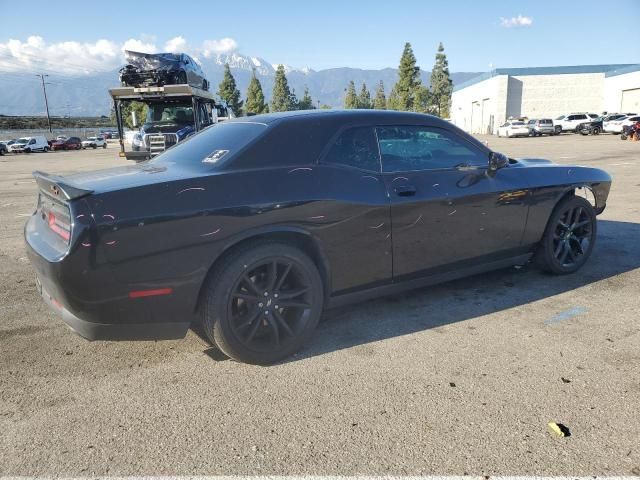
(22, 140)
(212, 144)
(181, 114)
(560, 117)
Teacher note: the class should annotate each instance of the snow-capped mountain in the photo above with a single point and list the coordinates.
(88, 95)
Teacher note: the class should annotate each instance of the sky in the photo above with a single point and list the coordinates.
(80, 37)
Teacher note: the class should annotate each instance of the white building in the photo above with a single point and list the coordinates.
(482, 104)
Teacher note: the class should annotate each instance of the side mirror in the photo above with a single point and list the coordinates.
(497, 161)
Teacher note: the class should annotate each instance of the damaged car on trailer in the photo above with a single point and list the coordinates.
(158, 69)
(256, 225)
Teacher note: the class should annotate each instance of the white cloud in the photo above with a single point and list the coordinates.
(36, 55)
(519, 21)
(215, 47)
(175, 45)
(77, 58)
(139, 46)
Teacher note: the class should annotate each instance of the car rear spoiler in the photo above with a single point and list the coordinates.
(59, 187)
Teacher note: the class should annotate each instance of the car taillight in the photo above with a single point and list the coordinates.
(60, 224)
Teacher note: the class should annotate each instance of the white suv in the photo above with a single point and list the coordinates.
(569, 123)
(616, 126)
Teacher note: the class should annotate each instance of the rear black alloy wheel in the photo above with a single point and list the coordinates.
(569, 237)
(264, 303)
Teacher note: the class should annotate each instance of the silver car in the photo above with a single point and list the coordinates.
(541, 126)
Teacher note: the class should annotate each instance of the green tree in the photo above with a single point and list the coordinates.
(380, 101)
(351, 98)
(281, 98)
(228, 91)
(408, 79)
(441, 84)
(423, 101)
(393, 101)
(364, 99)
(255, 97)
(294, 103)
(125, 109)
(307, 102)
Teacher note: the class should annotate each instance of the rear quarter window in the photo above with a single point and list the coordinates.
(227, 137)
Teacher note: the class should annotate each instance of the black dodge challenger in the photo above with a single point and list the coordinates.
(255, 225)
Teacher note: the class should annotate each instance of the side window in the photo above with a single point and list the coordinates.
(32, 141)
(355, 147)
(581, 117)
(410, 148)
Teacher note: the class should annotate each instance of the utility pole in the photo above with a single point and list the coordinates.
(46, 102)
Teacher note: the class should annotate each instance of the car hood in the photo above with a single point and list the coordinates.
(152, 61)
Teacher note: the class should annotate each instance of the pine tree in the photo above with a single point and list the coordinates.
(423, 101)
(228, 91)
(364, 99)
(294, 104)
(380, 102)
(409, 79)
(441, 84)
(255, 97)
(393, 101)
(351, 98)
(307, 102)
(281, 98)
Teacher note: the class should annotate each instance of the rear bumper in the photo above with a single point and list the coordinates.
(91, 307)
(105, 331)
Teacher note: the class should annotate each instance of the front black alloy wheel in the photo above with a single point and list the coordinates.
(569, 237)
(262, 303)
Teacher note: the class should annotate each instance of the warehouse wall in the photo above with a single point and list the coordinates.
(552, 95)
(481, 107)
(614, 86)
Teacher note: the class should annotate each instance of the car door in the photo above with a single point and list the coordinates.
(446, 207)
(354, 216)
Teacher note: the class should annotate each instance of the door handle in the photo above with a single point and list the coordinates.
(405, 190)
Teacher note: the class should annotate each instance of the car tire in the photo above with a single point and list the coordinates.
(595, 131)
(27, 150)
(557, 129)
(104, 145)
(241, 312)
(94, 146)
(569, 237)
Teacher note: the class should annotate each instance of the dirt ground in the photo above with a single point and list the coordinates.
(453, 379)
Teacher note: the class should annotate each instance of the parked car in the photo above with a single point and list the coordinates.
(3, 149)
(616, 126)
(254, 226)
(513, 129)
(569, 123)
(631, 132)
(593, 127)
(30, 144)
(158, 69)
(71, 143)
(542, 126)
(94, 142)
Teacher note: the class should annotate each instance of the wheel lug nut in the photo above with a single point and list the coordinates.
(275, 295)
(266, 294)
(261, 304)
(266, 312)
(276, 307)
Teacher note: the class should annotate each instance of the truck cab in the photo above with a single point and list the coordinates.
(173, 114)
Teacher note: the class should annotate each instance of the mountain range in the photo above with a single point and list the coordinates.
(88, 95)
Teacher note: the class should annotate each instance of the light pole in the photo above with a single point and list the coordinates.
(46, 102)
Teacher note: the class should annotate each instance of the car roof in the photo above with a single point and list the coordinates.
(346, 117)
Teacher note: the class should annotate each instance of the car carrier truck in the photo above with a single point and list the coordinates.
(174, 113)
